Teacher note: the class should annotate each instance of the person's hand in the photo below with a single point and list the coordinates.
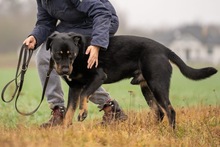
(93, 52)
(30, 42)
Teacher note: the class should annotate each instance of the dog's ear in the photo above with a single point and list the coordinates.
(50, 39)
(78, 40)
(48, 42)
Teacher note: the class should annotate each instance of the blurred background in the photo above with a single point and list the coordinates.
(191, 28)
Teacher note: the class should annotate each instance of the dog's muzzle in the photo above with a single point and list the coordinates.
(63, 70)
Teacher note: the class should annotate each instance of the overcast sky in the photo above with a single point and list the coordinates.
(165, 13)
(159, 13)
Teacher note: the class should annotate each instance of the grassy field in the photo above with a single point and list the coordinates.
(197, 105)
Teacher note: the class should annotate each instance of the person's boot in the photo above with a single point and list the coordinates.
(58, 114)
(112, 112)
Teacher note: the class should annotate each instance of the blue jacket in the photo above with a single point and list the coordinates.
(96, 18)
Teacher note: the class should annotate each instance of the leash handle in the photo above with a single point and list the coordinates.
(4, 89)
(17, 75)
(43, 93)
(25, 57)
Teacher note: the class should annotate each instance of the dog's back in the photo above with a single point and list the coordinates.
(122, 58)
(126, 54)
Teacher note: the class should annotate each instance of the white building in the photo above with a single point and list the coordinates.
(190, 49)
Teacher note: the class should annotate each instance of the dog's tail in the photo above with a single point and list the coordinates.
(189, 72)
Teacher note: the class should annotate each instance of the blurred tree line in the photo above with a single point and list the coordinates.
(18, 18)
(17, 21)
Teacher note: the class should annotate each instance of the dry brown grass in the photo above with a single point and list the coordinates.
(197, 126)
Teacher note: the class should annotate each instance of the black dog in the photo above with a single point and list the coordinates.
(143, 59)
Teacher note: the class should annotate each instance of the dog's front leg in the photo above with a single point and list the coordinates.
(83, 108)
(73, 100)
(96, 81)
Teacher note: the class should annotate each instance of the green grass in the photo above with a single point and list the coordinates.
(183, 93)
(196, 104)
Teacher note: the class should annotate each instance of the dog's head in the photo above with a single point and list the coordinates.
(64, 48)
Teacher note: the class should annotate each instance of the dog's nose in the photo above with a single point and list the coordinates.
(65, 70)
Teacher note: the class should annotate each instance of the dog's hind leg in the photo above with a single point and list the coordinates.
(151, 101)
(73, 99)
(160, 91)
(157, 74)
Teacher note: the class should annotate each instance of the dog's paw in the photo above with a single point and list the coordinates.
(82, 115)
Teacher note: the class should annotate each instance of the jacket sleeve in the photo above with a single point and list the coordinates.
(101, 17)
(45, 25)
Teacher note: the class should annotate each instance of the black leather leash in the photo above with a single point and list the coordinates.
(19, 73)
(25, 56)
